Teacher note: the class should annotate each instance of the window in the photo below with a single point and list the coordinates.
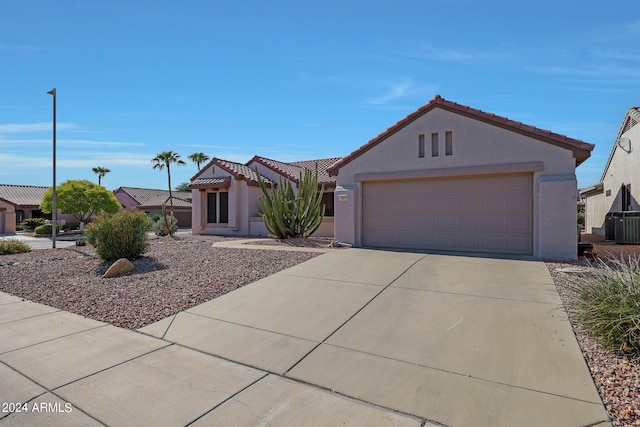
(218, 207)
(626, 197)
(224, 207)
(327, 201)
(434, 144)
(448, 143)
(420, 146)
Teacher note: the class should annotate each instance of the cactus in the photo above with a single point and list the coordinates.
(287, 215)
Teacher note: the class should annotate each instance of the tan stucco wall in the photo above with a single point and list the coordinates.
(595, 210)
(475, 143)
(7, 218)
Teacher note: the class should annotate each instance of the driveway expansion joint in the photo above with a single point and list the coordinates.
(382, 289)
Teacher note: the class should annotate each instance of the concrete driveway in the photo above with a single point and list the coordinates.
(456, 340)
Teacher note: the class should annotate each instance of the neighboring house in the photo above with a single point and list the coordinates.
(453, 178)
(619, 186)
(150, 201)
(18, 202)
(226, 194)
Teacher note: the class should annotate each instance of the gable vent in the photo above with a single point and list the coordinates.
(631, 122)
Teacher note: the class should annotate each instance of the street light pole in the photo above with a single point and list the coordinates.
(54, 209)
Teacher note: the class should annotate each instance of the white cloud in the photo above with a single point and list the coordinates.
(62, 143)
(35, 127)
(83, 160)
(393, 92)
(428, 51)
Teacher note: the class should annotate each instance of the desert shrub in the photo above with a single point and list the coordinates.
(287, 214)
(607, 302)
(123, 235)
(13, 246)
(33, 222)
(160, 228)
(45, 229)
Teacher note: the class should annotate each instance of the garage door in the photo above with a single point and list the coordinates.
(491, 214)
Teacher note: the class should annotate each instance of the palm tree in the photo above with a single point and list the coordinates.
(198, 158)
(101, 172)
(165, 159)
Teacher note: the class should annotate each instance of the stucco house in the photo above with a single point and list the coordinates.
(18, 202)
(619, 186)
(454, 178)
(150, 201)
(226, 194)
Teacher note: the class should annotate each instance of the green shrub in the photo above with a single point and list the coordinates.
(607, 302)
(19, 228)
(155, 217)
(45, 229)
(123, 235)
(33, 222)
(13, 246)
(160, 228)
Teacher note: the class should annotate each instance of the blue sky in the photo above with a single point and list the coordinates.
(295, 81)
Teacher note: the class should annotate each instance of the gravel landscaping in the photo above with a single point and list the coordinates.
(175, 274)
(616, 375)
(181, 272)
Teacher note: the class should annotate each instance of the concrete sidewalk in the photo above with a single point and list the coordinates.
(353, 337)
(58, 368)
(38, 243)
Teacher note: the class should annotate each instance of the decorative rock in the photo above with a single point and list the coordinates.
(119, 267)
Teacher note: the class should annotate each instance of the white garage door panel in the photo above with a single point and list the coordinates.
(481, 214)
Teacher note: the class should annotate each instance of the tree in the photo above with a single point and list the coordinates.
(166, 159)
(82, 199)
(183, 187)
(199, 158)
(101, 172)
(288, 215)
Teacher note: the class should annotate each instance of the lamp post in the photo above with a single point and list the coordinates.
(54, 209)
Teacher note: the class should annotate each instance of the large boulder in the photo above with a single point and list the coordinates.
(119, 267)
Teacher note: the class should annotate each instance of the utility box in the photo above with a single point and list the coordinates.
(610, 220)
(627, 228)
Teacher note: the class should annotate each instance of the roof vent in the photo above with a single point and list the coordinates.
(631, 122)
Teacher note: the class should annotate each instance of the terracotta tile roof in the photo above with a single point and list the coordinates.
(178, 202)
(581, 150)
(22, 195)
(210, 183)
(153, 197)
(292, 170)
(237, 170)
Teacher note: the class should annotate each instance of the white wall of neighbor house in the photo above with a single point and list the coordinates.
(475, 145)
(624, 169)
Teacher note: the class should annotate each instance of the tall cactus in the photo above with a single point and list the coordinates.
(288, 215)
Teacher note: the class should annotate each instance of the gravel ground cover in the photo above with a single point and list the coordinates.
(175, 274)
(616, 375)
(181, 272)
